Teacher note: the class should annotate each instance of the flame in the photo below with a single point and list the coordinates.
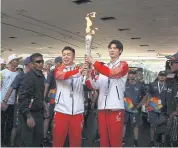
(89, 23)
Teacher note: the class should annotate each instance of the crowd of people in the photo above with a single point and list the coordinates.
(58, 99)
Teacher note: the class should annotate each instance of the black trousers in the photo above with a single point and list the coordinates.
(171, 139)
(7, 124)
(32, 137)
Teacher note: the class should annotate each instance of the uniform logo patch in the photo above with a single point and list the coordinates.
(118, 117)
(81, 124)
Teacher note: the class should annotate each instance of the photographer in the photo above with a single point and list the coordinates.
(172, 105)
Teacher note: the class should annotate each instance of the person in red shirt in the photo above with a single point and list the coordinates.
(111, 84)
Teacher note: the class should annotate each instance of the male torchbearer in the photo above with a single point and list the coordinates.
(111, 84)
(69, 101)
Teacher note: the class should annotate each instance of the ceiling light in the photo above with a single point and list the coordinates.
(108, 18)
(78, 2)
(150, 50)
(124, 29)
(144, 45)
(136, 38)
(12, 37)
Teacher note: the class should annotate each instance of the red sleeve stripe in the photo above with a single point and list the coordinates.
(59, 74)
(101, 68)
(116, 72)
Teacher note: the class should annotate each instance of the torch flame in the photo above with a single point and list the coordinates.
(89, 23)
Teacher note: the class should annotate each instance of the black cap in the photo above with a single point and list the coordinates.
(162, 73)
(58, 60)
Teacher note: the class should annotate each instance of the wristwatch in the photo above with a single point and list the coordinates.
(5, 101)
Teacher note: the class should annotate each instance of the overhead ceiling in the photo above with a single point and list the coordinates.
(46, 26)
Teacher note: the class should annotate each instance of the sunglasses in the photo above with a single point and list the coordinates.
(163, 75)
(39, 61)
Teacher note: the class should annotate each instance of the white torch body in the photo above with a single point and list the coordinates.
(88, 44)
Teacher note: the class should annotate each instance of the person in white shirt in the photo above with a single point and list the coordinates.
(69, 107)
(111, 84)
(8, 77)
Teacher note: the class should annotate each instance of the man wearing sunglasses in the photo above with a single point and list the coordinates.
(31, 104)
(172, 105)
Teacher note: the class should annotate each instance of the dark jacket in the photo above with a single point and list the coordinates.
(32, 88)
(172, 95)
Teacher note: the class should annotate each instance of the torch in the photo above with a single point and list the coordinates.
(89, 33)
(88, 44)
(89, 36)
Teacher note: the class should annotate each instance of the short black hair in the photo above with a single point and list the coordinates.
(35, 55)
(69, 48)
(118, 44)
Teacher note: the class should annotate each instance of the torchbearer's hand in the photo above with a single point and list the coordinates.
(89, 59)
(30, 122)
(84, 68)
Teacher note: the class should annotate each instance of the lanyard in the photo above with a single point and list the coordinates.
(160, 89)
(72, 87)
(108, 83)
(72, 81)
(107, 91)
